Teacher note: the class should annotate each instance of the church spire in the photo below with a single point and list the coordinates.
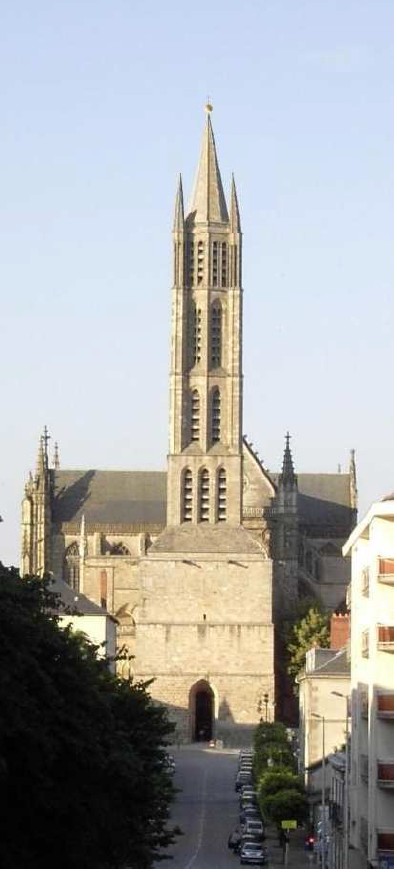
(234, 209)
(55, 460)
(42, 456)
(288, 475)
(208, 202)
(179, 214)
(353, 479)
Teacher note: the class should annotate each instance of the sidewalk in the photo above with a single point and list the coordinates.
(298, 858)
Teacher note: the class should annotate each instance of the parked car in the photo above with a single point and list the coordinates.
(243, 778)
(253, 854)
(253, 828)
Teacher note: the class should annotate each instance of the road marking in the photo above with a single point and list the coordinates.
(201, 821)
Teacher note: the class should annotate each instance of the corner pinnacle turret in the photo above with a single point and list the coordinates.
(288, 475)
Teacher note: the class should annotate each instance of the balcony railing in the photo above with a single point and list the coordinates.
(385, 774)
(385, 706)
(386, 570)
(385, 638)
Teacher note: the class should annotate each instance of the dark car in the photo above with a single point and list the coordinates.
(243, 778)
(253, 854)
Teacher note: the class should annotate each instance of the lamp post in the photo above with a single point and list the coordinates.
(266, 701)
(346, 840)
(322, 718)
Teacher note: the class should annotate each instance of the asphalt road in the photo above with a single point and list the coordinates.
(206, 809)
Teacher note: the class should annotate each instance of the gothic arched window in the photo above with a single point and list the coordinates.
(204, 495)
(224, 265)
(216, 335)
(195, 335)
(71, 566)
(187, 495)
(215, 415)
(195, 416)
(221, 495)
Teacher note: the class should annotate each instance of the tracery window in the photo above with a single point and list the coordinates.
(195, 417)
(204, 495)
(215, 264)
(215, 415)
(216, 334)
(187, 495)
(221, 494)
(71, 566)
(224, 265)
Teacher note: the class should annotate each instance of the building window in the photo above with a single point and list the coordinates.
(221, 495)
(204, 495)
(195, 417)
(195, 335)
(224, 265)
(187, 495)
(71, 566)
(365, 581)
(200, 262)
(216, 335)
(191, 263)
(365, 643)
(215, 264)
(215, 415)
(104, 589)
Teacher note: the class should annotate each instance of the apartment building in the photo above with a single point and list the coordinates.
(371, 601)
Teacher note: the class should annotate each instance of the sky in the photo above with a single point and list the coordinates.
(101, 108)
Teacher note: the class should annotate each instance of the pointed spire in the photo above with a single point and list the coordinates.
(234, 209)
(55, 459)
(208, 201)
(288, 475)
(179, 214)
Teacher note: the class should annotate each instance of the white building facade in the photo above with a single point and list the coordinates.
(372, 685)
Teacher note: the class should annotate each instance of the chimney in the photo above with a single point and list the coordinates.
(340, 631)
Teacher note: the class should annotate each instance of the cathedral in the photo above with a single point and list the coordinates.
(200, 563)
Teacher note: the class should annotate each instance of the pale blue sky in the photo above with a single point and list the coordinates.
(101, 108)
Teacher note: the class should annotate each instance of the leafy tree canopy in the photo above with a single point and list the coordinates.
(275, 779)
(83, 779)
(286, 804)
(312, 629)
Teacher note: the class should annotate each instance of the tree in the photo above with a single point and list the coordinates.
(312, 629)
(276, 778)
(286, 804)
(83, 777)
(272, 747)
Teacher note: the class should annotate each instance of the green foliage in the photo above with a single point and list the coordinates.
(83, 780)
(312, 629)
(272, 748)
(286, 804)
(276, 778)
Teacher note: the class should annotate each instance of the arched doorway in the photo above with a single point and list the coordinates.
(201, 705)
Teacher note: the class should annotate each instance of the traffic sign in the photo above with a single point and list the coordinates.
(289, 825)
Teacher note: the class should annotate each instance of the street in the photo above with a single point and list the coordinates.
(206, 810)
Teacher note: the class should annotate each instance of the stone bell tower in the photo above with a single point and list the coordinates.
(205, 446)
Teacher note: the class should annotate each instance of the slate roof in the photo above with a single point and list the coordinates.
(113, 497)
(72, 602)
(125, 497)
(202, 538)
(335, 663)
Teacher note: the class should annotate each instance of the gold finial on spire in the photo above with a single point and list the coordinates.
(208, 106)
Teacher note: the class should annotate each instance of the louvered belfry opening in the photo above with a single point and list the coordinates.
(204, 495)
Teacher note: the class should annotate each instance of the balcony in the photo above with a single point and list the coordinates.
(385, 849)
(385, 640)
(385, 706)
(386, 570)
(385, 775)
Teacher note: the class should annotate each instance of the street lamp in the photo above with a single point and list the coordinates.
(346, 697)
(322, 718)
